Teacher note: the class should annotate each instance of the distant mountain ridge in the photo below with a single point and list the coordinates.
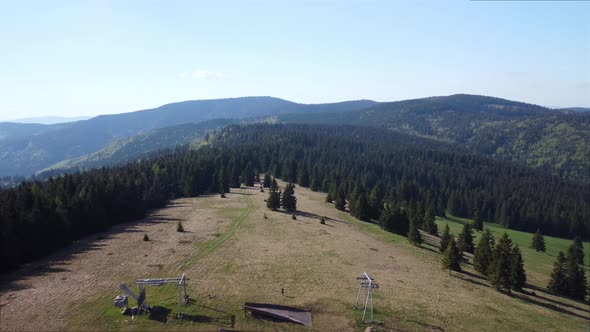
(544, 138)
(49, 120)
(26, 149)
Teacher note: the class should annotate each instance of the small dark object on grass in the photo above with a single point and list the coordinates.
(146, 237)
(179, 227)
(265, 216)
(323, 221)
(222, 195)
(294, 217)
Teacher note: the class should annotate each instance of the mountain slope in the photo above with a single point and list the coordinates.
(37, 149)
(131, 148)
(539, 137)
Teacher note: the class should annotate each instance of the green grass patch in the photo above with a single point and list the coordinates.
(534, 261)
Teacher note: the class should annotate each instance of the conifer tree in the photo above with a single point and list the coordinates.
(477, 220)
(428, 224)
(483, 252)
(558, 282)
(500, 269)
(289, 201)
(452, 256)
(413, 234)
(360, 206)
(577, 249)
(445, 238)
(340, 199)
(517, 273)
(247, 176)
(538, 242)
(394, 219)
(267, 180)
(465, 241)
(273, 201)
(575, 276)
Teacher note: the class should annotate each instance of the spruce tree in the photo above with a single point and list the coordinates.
(394, 219)
(340, 199)
(577, 249)
(500, 269)
(452, 257)
(558, 282)
(445, 238)
(428, 224)
(483, 252)
(273, 201)
(538, 242)
(517, 273)
(360, 206)
(289, 201)
(477, 220)
(267, 181)
(465, 241)
(575, 276)
(413, 234)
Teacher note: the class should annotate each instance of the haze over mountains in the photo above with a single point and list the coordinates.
(554, 140)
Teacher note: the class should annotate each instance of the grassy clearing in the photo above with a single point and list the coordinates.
(251, 258)
(237, 215)
(537, 264)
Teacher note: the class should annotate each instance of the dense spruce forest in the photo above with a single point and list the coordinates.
(367, 167)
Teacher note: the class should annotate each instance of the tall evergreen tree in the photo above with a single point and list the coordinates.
(428, 224)
(394, 219)
(577, 250)
(267, 180)
(289, 201)
(413, 234)
(538, 242)
(445, 238)
(500, 269)
(452, 257)
(273, 201)
(517, 273)
(465, 241)
(360, 206)
(477, 220)
(558, 282)
(340, 199)
(483, 252)
(577, 286)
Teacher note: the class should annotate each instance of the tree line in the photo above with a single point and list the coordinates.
(376, 174)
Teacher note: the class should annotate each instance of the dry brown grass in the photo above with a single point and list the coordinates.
(316, 264)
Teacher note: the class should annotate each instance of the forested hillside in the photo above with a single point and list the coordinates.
(135, 147)
(364, 166)
(31, 148)
(542, 138)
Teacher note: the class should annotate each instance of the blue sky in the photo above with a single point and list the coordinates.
(98, 57)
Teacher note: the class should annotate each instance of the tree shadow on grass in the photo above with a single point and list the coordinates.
(311, 215)
(429, 247)
(539, 292)
(550, 306)
(58, 258)
(473, 278)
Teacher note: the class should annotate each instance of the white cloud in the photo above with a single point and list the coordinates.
(201, 73)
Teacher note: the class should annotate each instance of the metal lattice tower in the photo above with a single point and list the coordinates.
(368, 283)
